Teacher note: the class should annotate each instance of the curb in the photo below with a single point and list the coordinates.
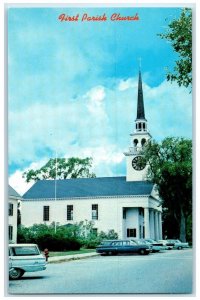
(71, 257)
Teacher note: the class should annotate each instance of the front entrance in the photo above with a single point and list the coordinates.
(133, 223)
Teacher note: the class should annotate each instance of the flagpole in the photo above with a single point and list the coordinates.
(55, 191)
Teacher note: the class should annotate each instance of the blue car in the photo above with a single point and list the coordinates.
(114, 247)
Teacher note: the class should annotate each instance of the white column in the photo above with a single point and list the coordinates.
(160, 225)
(156, 225)
(120, 223)
(146, 223)
(151, 220)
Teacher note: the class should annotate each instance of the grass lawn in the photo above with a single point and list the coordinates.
(63, 253)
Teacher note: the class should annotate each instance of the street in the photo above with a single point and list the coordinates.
(167, 272)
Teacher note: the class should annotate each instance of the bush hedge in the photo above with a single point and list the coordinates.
(65, 237)
(46, 237)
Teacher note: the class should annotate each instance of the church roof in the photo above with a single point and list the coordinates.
(87, 187)
(12, 192)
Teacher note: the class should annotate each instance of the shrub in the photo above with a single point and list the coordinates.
(66, 237)
(46, 237)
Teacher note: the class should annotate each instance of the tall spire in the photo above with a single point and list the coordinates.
(140, 102)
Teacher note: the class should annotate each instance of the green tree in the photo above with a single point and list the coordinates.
(179, 34)
(170, 168)
(62, 168)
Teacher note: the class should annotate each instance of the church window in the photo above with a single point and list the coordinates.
(135, 142)
(10, 232)
(94, 231)
(45, 213)
(131, 232)
(69, 212)
(140, 126)
(143, 141)
(10, 209)
(94, 211)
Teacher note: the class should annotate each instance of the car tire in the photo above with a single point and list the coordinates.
(142, 252)
(16, 274)
(179, 248)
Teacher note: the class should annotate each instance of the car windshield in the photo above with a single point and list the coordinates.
(150, 241)
(133, 243)
(25, 250)
(106, 243)
(138, 242)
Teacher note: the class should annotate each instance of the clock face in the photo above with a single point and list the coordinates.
(138, 163)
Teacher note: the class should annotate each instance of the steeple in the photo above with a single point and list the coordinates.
(140, 101)
(139, 138)
(140, 122)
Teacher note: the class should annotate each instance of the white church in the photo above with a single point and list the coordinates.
(128, 205)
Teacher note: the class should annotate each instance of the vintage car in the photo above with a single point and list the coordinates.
(177, 244)
(155, 245)
(25, 258)
(113, 247)
(166, 244)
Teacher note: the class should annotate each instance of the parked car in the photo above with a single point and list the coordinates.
(155, 246)
(25, 258)
(166, 244)
(10, 268)
(177, 244)
(114, 247)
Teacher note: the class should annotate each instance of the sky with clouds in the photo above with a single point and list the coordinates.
(72, 86)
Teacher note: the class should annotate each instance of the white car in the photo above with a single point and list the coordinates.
(25, 258)
(178, 244)
(156, 246)
(167, 245)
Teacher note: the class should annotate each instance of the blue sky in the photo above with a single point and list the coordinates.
(72, 86)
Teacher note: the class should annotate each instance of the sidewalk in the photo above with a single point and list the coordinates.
(71, 257)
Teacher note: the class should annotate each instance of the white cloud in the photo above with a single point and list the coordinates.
(17, 182)
(94, 102)
(126, 84)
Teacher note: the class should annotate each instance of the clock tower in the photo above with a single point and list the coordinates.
(136, 168)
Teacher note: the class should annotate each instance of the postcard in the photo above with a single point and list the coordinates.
(100, 150)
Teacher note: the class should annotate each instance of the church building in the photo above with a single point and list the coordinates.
(129, 205)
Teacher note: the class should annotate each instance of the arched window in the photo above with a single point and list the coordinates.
(143, 141)
(135, 142)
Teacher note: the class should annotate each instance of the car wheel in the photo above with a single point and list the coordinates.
(179, 248)
(16, 274)
(142, 251)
